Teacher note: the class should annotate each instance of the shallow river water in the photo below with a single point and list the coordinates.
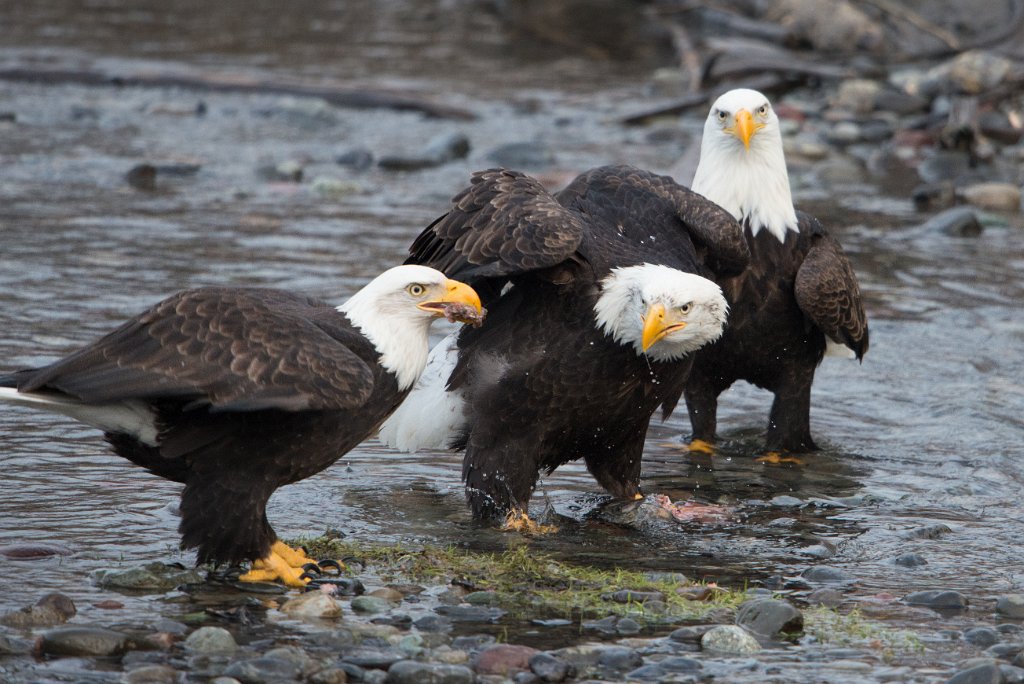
(928, 430)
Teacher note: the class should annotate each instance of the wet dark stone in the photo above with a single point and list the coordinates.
(503, 659)
(52, 609)
(960, 222)
(467, 613)
(8, 117)
(1011, 606)
(987, 673)
(620, 658)
(526, 677)
(359, 159)
(401, 620)
(549, 668)
(152, 674)
(983, 637)
(825, 573)
(554, 622)
(627, 626)
(142, 177)
(830, 598)
(524, 155)
(1012, 674)
(937, 598)
(1006, 651)
(647, 673)
(680, 664)
(372, 660)
(631, 596)
(928, 531)
(910, 560)
(262, 670)
(83, 641)
(33, 551)
(473, 642)
(340, 586)
(997, 126)
(604, 625)
(415, 672)
(691, 633)
(439, 150)
(769, 616)
(432, 623)
(156, 576)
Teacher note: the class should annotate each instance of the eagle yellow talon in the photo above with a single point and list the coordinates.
(638, 496)
(293, 557)
(775, 458)
(699, 446)
(519, 521)
(274, 568)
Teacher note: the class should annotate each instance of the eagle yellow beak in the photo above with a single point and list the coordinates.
(453, 292)
(657, 324)
(745, 127)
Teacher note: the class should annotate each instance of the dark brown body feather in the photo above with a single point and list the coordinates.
(781, 308)
(544, 386)
(252, 389)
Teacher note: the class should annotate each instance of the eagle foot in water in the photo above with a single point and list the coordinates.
(778, 458)
(518, 521)
(696, 446)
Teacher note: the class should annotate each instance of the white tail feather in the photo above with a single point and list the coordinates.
(130, 417)
(430, 417)
(838, 349)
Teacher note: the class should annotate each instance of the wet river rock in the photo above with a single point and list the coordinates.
(83, 641)
(729, 640)
(156, 577)
(52, 609)
(211, 641)
(938, 598)
(503, 659)
(1011, 606)
(414, 672)
(314, 604)
(769, 616)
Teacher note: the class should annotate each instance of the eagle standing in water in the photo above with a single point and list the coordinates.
(235, 392)
(796, 301)
(596, 303)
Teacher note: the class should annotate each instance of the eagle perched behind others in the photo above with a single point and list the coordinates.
(796, 300)
(597, 299)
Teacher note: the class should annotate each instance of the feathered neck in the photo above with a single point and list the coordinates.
(753, 184)
(401, 339)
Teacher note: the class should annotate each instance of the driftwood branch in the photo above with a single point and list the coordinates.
(353, 98)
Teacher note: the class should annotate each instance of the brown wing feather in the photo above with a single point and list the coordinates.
(229, 348)
(827, 292)
(504, 223)
(717, 236)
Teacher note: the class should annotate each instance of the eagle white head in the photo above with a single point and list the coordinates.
(742, 167)
(394, 311)
(660, 311)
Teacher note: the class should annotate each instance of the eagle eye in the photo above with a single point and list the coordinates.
(722, 115)
(763, 109)
(416, 290)
(685, 308)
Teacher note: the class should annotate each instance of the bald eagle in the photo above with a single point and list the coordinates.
(595, 306)
(797, 299)
(236, 392)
